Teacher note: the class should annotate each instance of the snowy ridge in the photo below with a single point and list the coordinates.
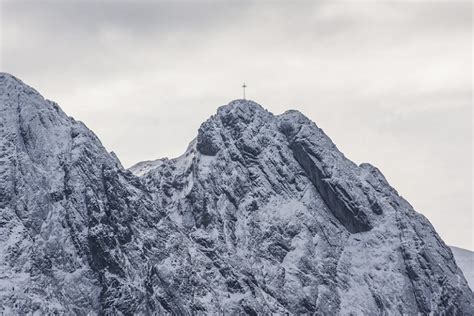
(144, 167)
(262, 214)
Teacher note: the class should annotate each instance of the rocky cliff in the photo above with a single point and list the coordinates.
(262, 214)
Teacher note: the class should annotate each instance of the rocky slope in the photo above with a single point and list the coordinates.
(262, 214)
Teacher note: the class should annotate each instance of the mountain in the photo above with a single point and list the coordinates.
(262, 214)
(72, 221)
(465, 260)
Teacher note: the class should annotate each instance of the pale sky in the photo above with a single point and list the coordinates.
(390, 83)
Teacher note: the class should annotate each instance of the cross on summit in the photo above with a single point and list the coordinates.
(243, 88)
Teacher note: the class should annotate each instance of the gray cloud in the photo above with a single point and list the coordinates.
(389, 82)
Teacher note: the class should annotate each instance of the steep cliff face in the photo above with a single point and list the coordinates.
(261, 214)
(300, 227)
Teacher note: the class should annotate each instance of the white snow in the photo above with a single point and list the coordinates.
(144, 167)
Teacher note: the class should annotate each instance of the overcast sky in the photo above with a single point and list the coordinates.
(390, 83)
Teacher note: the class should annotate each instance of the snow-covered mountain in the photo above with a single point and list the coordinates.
(262, 214)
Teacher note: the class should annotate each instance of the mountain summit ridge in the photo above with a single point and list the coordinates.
(261, 214)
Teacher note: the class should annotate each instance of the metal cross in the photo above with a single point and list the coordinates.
(243, 87)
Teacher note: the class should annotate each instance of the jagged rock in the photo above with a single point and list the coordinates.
(261, 215)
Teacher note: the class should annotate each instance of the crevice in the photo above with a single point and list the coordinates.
(336, 198)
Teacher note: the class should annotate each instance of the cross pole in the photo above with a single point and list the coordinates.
(243, 88)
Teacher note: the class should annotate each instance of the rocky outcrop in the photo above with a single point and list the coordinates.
(262, 214)
(336, 194)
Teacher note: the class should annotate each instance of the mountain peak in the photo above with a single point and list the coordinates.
(238, 118)
(243, 109)
(242, 103)
(5, 76)
(261, 215)
(11, 86)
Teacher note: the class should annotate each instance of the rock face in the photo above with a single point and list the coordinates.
(262, 214)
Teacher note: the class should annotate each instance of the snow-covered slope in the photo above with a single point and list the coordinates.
(262, 214)
(465, 260)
